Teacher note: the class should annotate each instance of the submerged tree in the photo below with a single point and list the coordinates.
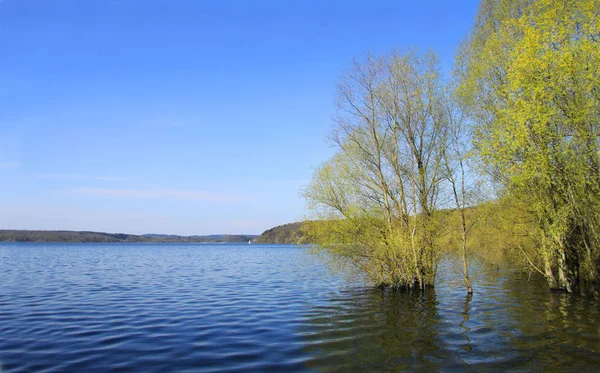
(530, 72)
(379, 193)
(464, 188)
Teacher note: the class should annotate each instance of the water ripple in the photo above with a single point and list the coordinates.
(251, 308)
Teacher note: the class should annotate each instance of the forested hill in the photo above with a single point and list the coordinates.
(283, 234)
(74, 236)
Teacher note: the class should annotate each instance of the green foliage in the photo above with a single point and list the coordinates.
(378, 194)
(530, 73)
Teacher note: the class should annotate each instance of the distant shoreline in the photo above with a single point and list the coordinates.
(63, 236)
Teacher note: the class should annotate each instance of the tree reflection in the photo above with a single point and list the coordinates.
(511, 323)
(375, 330)
(557, 331)
(467, 346)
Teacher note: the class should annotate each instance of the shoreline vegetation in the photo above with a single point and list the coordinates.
(513, 135)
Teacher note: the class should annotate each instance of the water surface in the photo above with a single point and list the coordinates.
(267, 308)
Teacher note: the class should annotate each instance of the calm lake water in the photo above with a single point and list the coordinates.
(255, 308)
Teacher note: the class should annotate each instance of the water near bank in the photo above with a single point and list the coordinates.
(253, 308)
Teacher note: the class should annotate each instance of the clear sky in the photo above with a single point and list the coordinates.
(183, 116)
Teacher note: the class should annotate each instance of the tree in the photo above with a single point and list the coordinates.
(379, 193)
(530, 72)
(463, 187)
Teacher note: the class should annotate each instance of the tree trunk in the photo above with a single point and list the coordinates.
(465, 266)
(549, 273)
(563, 281)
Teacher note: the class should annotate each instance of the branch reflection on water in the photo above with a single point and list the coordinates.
(373, 329)
(508, 324)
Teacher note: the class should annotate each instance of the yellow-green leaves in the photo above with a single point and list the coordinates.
(379, 192)
(532, 79)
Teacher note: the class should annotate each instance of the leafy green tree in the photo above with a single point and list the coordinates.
(530, 73)
(379, 193)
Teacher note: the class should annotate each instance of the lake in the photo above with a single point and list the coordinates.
(270, 308)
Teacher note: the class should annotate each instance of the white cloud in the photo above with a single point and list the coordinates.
(179, 194)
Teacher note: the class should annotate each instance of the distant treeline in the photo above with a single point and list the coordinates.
(282, 234)
(73, 236)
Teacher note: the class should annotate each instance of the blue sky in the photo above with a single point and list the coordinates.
(183, 116)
